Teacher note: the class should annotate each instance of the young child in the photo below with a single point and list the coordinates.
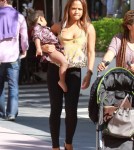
(42, 35)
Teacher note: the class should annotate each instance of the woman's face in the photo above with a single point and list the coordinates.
(131, 27)
(76, 10)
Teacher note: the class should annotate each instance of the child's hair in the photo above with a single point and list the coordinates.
(10, 2)
(33, 16)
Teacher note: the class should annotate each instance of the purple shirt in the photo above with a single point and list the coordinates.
(115, 47)
(8, 22)
(9, 48)
(46, 36)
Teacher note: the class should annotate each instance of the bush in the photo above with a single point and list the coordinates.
(106, 28)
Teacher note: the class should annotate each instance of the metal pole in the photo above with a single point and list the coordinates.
(17, 4)
(131, 4)
(53, 10)
(45, 9)
(60, 10)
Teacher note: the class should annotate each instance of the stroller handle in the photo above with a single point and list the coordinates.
(107, 63)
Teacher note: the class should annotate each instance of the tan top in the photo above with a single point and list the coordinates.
(75, 50)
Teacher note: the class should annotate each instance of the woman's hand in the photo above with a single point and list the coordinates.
(101, 66)
(86, 80)
(131, 68)
(48, 48)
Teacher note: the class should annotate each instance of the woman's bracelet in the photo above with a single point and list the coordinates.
(90, 72)
(104, 61)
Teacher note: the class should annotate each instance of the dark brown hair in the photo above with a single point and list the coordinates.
(127, 20)
(10, 2)
(32, 16)
(84, 19)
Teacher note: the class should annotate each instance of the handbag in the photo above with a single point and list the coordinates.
(122, 123)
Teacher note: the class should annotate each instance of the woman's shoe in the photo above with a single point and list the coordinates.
(68, 146)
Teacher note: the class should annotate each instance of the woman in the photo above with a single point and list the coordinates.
(122, 45)
(77, 35)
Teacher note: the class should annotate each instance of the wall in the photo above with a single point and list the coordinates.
(132, 4)
(56, 11)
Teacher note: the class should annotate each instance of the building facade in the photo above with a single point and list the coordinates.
(53, 9)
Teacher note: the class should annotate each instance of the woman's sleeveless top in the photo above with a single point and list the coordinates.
(75, 50)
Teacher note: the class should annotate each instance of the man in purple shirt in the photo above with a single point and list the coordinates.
(13, 28)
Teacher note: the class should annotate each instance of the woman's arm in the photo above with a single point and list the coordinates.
(91, 39)
(112, 51)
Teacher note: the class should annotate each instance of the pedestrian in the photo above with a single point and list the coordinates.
(122, 45)
(42, 35)
(77, 35)
(12, 24)
(109, 7)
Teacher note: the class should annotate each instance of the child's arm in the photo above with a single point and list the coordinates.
(38, 47)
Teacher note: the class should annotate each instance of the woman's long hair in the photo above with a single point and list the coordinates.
(127, 20)
(84, 20)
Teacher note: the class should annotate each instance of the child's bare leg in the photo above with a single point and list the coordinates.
(60, 59)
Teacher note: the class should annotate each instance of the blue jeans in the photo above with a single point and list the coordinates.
(110, 7)
(9, 72)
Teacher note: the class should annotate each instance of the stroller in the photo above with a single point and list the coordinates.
(108, 91)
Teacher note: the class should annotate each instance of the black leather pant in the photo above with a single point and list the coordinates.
(73, 81)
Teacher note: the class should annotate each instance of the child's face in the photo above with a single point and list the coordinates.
(42, 21)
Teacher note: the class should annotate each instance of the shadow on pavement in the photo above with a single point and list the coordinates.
(39, 123)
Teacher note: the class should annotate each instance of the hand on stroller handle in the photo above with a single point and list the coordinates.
(102, 66)
(129, 63)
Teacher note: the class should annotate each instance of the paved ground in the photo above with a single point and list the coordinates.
(31, 129)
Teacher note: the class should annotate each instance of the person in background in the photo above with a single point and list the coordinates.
(110, 8)
(12, 24)
(77, 35)
(42, 35)
(109, 4)
(122, 45)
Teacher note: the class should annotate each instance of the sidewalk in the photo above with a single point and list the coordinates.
(12, 140)
(26, 133)
(30, 131)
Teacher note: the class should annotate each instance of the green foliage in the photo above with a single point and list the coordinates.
(106, 28)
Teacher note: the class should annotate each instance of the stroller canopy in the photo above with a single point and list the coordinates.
(107, 90)
(115, 85)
